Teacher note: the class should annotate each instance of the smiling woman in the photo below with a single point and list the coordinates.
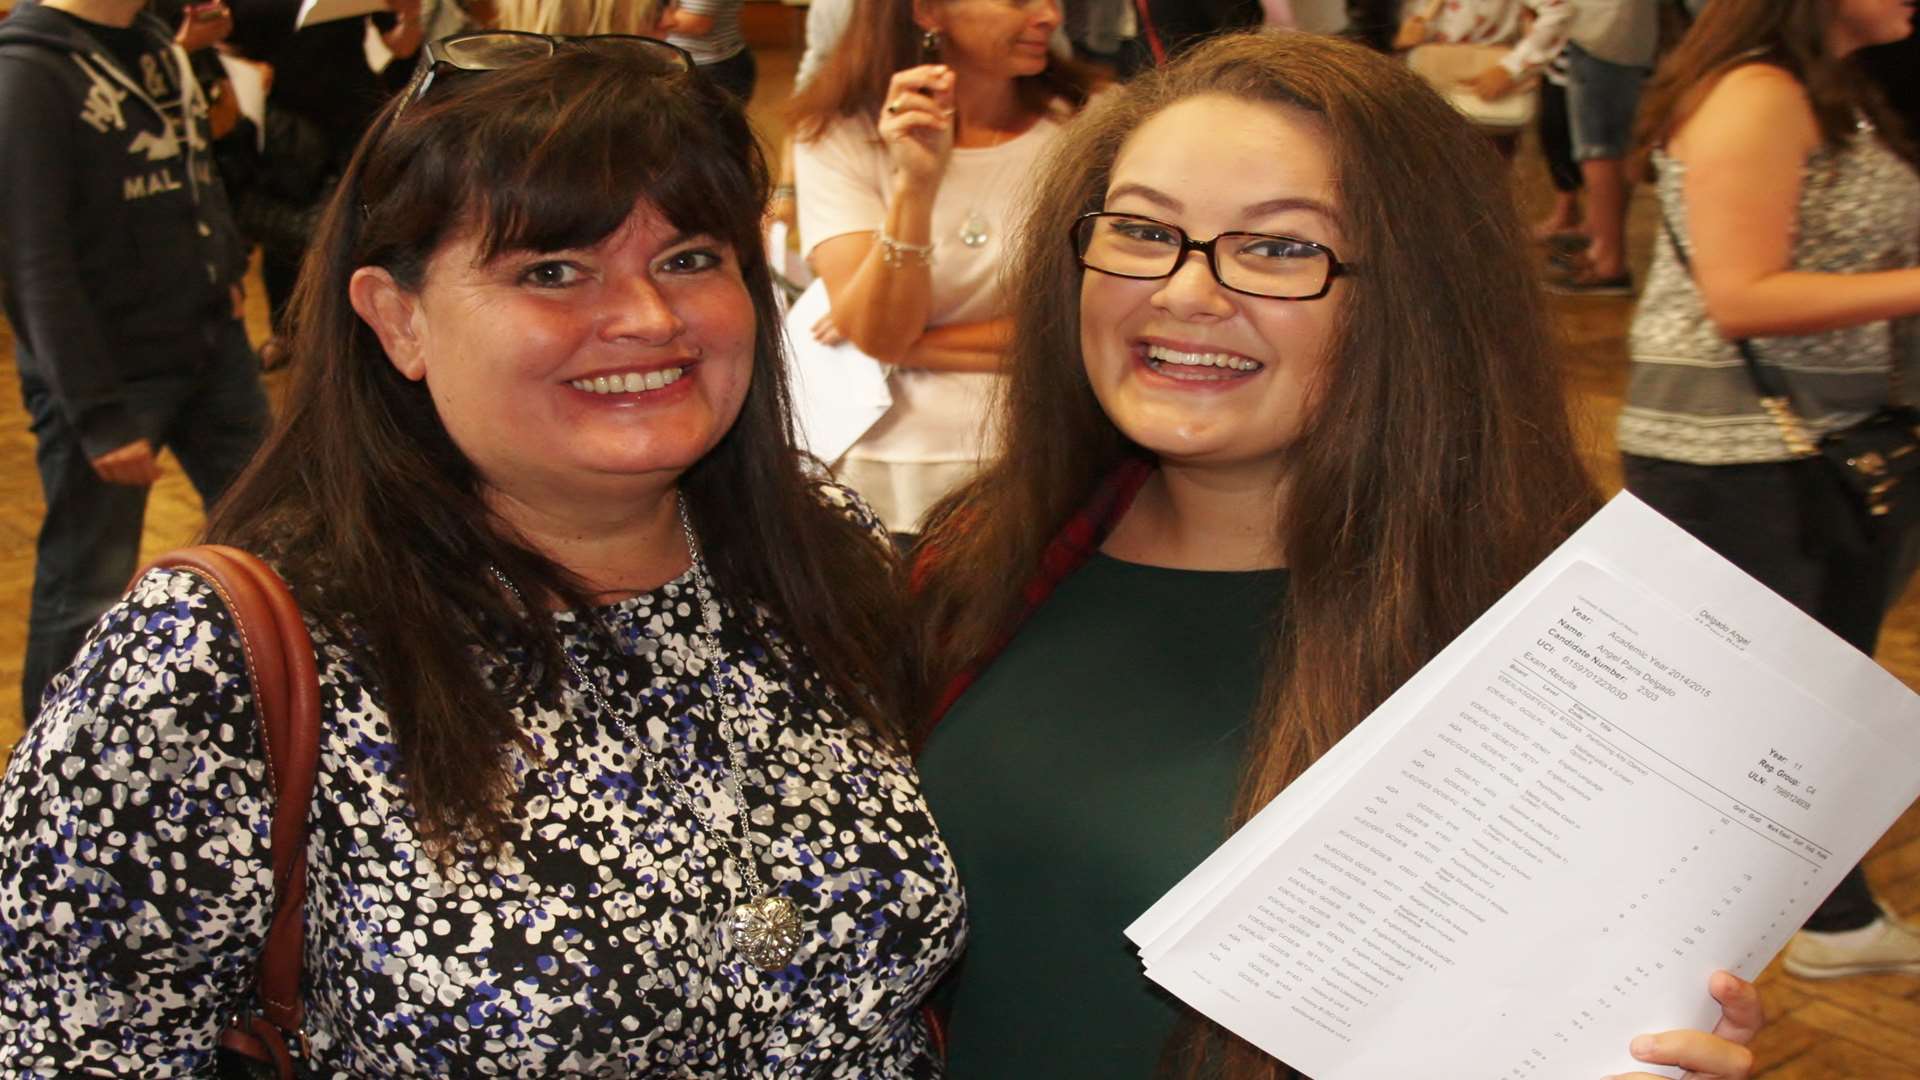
(1282, 419)
(578, 373)
(610, 781)
(1166, 356)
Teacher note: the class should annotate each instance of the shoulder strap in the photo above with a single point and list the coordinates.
(1772, 392)
(1076, 542)
(1143, 14)
(280, 666)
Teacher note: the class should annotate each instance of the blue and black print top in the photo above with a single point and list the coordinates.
(135, 880)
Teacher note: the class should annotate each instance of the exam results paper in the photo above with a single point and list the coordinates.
(1640, 766)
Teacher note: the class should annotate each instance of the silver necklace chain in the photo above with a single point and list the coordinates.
(767, 925)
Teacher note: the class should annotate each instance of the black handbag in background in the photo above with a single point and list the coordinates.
(1876, 461)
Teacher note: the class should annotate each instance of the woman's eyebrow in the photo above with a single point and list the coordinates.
(1158, 198)
(1257, 210)
(1291, 202)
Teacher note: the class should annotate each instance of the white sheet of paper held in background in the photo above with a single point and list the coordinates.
(838, 391)
(313, 12)
(1638, 767)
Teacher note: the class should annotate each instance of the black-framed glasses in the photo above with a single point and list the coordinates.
(491, 50)
(1257, 264)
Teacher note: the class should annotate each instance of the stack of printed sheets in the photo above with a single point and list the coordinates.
(1638, 767)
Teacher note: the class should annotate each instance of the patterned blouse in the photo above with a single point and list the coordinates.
(135, 882)
(1689, 396)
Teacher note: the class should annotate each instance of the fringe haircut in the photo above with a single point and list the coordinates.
(378, 520)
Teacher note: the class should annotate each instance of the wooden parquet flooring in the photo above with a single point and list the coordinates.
(1849, 1029)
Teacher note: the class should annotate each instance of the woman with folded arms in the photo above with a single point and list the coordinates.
(910, 150)
(609, 776)
(1282, 419)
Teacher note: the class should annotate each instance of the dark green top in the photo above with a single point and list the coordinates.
(1090, 767)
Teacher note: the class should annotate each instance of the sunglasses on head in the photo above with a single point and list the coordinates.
(492, 50)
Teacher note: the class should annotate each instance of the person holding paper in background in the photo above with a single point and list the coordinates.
(910, 148)
(1282, 419)
(1794, 193)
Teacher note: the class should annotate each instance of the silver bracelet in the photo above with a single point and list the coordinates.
(900, 253)
(783, 191)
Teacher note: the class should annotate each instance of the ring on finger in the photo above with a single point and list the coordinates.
(893, 108)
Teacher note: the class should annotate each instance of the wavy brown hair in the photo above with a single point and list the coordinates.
(1437, 465)
(882, 38)
(1789, 34)
(378, 520)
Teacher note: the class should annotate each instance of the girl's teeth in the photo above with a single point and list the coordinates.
(632, 382)
(1228, 361)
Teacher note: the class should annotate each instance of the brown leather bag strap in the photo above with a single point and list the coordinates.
(280, 666)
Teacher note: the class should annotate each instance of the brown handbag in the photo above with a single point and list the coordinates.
(286, 689)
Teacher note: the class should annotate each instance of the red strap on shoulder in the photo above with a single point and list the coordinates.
(286, 689)
(1069, 549)
(1154, 45)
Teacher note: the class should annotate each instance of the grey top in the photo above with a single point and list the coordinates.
(723, 42)
(1689, 397)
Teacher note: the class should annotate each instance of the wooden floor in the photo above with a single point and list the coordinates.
(1851, 1029)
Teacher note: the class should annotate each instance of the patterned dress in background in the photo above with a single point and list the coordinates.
(1690, 398)
(135, 881)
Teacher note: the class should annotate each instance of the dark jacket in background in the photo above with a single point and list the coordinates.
(117, 247)
(320, 72)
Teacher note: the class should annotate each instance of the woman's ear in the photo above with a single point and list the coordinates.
(923, 15)
(394, 314)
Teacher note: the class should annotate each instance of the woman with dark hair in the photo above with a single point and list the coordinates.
(600, 665)
(1282, 420)
(910, 149)
(1791, 232)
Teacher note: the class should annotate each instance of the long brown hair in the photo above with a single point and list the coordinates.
(1437, 466)
(1789, 34)
(378, 520)
(882, 38)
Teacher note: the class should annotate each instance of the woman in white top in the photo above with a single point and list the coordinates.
(1533, 31)
(911, 146)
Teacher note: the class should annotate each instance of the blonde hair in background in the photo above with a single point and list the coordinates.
(579, 16)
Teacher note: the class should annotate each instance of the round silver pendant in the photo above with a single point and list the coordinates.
(975, 232)
(766, 931)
